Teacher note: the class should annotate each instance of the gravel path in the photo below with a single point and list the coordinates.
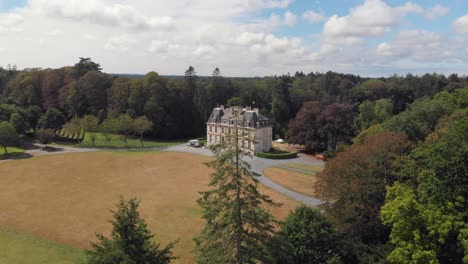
(258, 164)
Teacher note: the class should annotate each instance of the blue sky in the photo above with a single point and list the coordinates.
(241, 37)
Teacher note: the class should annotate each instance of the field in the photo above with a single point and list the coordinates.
(20, 248)
(296, 177)
(66, 198)
(11, 152)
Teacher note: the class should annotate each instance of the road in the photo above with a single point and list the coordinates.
(259, 165)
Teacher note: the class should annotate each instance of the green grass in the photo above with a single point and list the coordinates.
(12, 152)
(21, 248)
(115, 142)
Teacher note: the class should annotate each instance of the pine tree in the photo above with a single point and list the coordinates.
(131, 242)
(238, 223)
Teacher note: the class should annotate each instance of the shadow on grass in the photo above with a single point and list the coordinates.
(51, 149)
(15, 155)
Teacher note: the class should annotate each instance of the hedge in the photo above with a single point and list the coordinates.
(266, 155)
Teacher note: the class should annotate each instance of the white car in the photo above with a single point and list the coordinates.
(193, 143)
(279, 140)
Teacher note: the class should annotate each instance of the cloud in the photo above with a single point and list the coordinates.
(419, 45)
(119, 43)
(313, 17)
(290, 19)
(10, 23)
(436, 12)
(249, 38)
(372, 19)
(260, 4)
(461, 24)
(97, 12)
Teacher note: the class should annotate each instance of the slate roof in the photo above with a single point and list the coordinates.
(247, 117)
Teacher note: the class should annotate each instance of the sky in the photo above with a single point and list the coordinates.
(241, 37)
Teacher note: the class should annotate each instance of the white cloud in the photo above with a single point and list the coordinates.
(249, 38)
(419, 45)
(290, 19)
(97, 12)
(120, 43)
(204, 51)
(10, 22)
(461, 24)
(372, 19)
(259, 4)
(313, 17)
(436, 12)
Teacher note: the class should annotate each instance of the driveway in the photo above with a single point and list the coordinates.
(259, 165)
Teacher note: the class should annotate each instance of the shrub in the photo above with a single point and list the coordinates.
(276, 155)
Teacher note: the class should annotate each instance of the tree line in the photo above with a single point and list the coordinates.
(179, 107)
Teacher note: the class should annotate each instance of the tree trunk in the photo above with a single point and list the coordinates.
(141, 139)
(238, 203)
(6, 152)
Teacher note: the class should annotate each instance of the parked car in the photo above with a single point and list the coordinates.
(193, 143)
(280, 140)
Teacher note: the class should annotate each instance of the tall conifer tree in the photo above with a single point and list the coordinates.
(238, 223)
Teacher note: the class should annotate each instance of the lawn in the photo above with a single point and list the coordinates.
(306, 167)
(66, 198)
(20, 248)
(115, 142)
(12, 152)
(295, 181)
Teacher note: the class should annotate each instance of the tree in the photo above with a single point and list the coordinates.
(238, 226)
(85, 65)
(18, 123)
(124, 127)
(33, 114)
(94, 86)
(45, 136)
(52, 119)
(281, 105)
(107, 128)
(234, 101)
(8, 136)
(130, 241)
(427, 209)
(306, 237)
(305, 129)
(355, 182)
(140, 126)
(74, 128)
(90, 125)
(336, 123)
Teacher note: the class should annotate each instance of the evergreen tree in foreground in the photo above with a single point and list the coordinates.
(238, 225)
(130, 242)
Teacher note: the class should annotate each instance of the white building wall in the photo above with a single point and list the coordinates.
(262, 137)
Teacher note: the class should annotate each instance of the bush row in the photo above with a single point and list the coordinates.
(267, 155)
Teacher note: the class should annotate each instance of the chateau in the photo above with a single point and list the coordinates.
(255, 131)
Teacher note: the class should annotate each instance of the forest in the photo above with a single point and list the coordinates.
(396, 181)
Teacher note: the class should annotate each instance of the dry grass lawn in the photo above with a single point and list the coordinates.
(295, 181)
(307, 167)
(67, 197)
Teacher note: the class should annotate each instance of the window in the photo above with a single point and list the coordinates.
(216, 129)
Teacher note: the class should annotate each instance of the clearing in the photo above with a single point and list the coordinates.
(66, 198)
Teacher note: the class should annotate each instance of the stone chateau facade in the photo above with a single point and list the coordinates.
(255, 130)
